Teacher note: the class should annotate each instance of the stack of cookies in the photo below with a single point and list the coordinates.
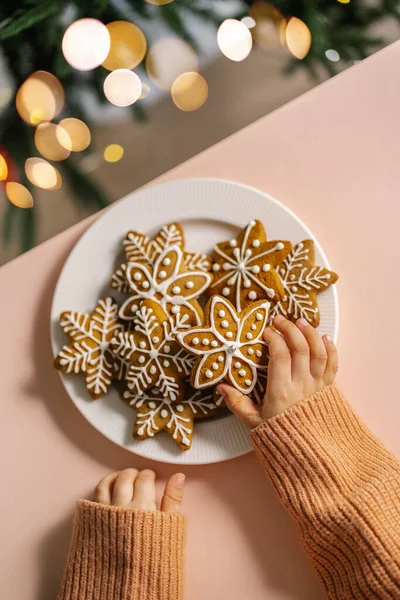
(167, 347)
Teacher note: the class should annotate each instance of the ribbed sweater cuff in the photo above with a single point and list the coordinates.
(124, 554)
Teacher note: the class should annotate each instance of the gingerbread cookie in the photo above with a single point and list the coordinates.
(302, 281)
(257, 395)
(244, 267)
(155, 413)
(90, 351)
(167, 282)
(157, 360)
(229, 347)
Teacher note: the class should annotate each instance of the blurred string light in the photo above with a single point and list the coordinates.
(145, 91)
(42, 174)
(270, 24)
(40, 98)
(189, 91)
(52, 141)
(113, 153)
(167, 59)
(3, 168)
(19, 195)
(128, 46)
(78, 133)
(5, 96)
(249, 22)
(234, 39)
(86, 44)
(298, 38)
(332, 55)
(122, 87)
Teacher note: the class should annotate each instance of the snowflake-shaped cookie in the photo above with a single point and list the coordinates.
(244, 267)
(141, 249)
(90, 351)
(230, 346)
(155, 413)
(257, 395)
(167, 282)
(302, 281)
(157, 360)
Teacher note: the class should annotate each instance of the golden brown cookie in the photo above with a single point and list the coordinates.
(229, 347)
(157, 360)
(90, 351)
(155, 413)
(302, 281)
(167, 281)
(244, 267)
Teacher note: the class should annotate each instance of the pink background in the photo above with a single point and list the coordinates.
(332, 156)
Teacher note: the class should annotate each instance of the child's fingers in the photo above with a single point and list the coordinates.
(123, 487)
(144, 496)
(332, 363)
(318, 354)
(296, 343)
(280, 362)
(242, 406)
(104, 488)
(173, 494)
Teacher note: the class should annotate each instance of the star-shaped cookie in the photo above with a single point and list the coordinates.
(244, 267)
(229, 347)
(90, 351)
(302, 281)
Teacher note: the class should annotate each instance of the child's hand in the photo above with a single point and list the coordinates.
(136, 489)
(300, 364)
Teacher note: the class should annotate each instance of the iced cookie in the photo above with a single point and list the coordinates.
(157, 360)
(90, 351)
(302, 281)
(155, 413)
(244, 267)
(229, 347)
(257, 395)
(167, 281)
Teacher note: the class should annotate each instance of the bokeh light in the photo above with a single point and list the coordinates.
(19, 195)
(113, 153)
(40, 98)
(167, 59)
(270, 24)
(234, 39)
(145, 91)
(332, 55)
(42, 174)
(78, 132)
(127, 46)
(344, 1)
(189, 91)
(86, 44)
(122, 87)
(159, 2)
(249, 22)
(52, 141)
(3, 168)
(5, 96)
(298, 38)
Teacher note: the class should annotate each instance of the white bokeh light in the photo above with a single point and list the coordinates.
(86, 44)
(122, 87)
(332, 55)
(234, 39)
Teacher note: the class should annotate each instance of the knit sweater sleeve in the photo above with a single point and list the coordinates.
(124, 554)
(342, 487)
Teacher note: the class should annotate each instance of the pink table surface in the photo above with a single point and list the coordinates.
(332, 156)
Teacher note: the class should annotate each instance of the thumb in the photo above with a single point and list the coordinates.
(242, 406)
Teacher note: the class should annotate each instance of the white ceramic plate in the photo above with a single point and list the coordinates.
(210, 211)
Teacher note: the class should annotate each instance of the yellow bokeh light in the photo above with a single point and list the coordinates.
(145, 91)
(19, 195)
(344, 1)
(53, 141)
(86, 44)
(42, 174)
(40, 98)
(159, 2)
(128, 46)
(78, 132)
(5, 96)
(3, 168)
(167, 59)
(298, 38)
(269, 29)
(189, 91)
(113, 153)
(122, 87)
(234, 40)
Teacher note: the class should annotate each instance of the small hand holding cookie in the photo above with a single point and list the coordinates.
(301, 363)
(136, 489)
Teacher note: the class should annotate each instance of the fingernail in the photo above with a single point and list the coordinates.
(279, 319)
(328, 338)
(180, 479)
(302, 322)
(221, 390)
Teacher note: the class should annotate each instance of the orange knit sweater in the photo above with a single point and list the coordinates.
(341, 486)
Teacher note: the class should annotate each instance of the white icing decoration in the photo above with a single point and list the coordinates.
(167, 348)
(256, 243)
(214, 343)
(166, 262)
(189, 285)
(195, 341)
(176, 289)
(247, 283)
(225, 291)
(153, 369)
(209, 374)
(220, 358)
(250, 351)
(166, 363)
(266, 267)
(294, 288)
(152, 404)
(137, 276)
(142, 344)
(238, 365)
(179, 408)
(146, 285)
(233, 243)
(162, 274)
(216, 267)
(155, 339)
(141, 359)
(215, 366)
(252, 295)
(225, 324)
(253, 327)
(221, 313)
(226, 266)
(280, 246)
(255, 269)
(259, 317)
(163, 413)
(247, 381)
(175, 310)
(258, 353)
(242, 372)
(205, 341)
(229, 334)
(249, 335)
